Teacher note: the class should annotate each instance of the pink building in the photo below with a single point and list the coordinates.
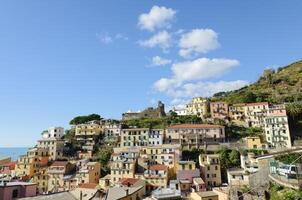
(219, 110)
(6, 169)
(14, 190)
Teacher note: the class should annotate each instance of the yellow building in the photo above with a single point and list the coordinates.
(89, 173)
(253, 143)
(122, 166)
(28, 165)
(210, 169)
(198, 106)
(54, 147)
(88, 134)
(166, 154)
(207, 195)
(56, 173)
(237, 112)
(186, 165)
(156, 177)
(41, 178)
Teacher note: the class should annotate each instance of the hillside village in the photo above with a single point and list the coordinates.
(211, 149)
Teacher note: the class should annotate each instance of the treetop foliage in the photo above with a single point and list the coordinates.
(84, 119)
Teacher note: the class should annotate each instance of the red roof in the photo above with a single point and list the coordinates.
(11, 165)
(25, 178)
(257, 104)
(239, 104)
(194, 126)
(128, 181)
(88, 185)
(60, 163)
(158, 167)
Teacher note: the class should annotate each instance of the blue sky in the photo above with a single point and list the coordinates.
(59, 59)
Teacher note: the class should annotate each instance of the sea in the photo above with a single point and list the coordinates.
(13, 152)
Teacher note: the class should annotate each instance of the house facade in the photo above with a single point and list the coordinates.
(194, 135)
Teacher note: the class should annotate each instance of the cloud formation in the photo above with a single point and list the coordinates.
(197, 41)
(106, 38)
(205, 89)
(198, 69)
(159, 61)
(161, 39)
(189, 78)
(158, 17)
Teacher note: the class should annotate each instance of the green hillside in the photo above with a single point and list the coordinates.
(275, 86)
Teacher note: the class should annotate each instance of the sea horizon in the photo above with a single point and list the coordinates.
(13, 152)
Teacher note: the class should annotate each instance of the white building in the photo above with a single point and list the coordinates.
(277, 132)
(255, 114)
(156, 137)
(180, 111)
(112, 131)
(52, 141)
(53, 132)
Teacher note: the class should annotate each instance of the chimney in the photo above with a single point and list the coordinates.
(81, 195)
(127, 192)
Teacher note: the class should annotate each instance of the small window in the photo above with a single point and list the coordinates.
(15, 193)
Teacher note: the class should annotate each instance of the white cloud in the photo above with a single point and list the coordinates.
(199, 69)
(183, 94)
(161, 39)
(165, 84)
(207, 89)
(159, 61)
(158, 17)
(105, 38)
(121, 36)
(189, 79)
(197, 41)
(202, 68)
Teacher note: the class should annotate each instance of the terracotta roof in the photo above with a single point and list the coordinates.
(60, 163)
(88, 185)
(128, 181)
(11, 165)
(158, 167)
(194, 126)
(43, 161)
(188, 174)
(25, 178)
(257, 104)
(239, 104)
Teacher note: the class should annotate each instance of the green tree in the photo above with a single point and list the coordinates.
(224, 158)
(103, 156)
(294, 109)
(84, 118)
(249, 97)
(234, 157)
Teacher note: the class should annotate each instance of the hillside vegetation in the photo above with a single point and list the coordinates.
(275, 86)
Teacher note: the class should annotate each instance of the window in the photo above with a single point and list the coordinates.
(15, 193)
